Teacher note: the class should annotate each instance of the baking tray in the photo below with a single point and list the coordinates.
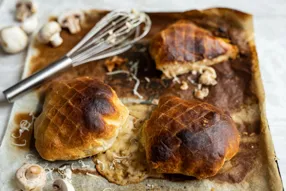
(254, 168)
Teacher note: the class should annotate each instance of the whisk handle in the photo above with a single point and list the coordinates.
(27, 84)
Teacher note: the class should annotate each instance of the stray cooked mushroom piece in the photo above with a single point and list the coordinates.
(30, 24)
(201, 93)
(24, 9)
(71, 20)
(31, 177)
(208, 77)
(184, 85)
(62, 185)
(50, 33)
(13, 39)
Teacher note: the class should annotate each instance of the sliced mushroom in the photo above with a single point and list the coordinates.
(24, 9)
(62, 185)
(71, 20)
(31, 177)
(13, 39)
(50, 33)
(30, 24)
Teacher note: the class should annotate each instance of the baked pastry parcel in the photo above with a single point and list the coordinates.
(183, 46)
(189, 137)
(238, 91)
(80, 118)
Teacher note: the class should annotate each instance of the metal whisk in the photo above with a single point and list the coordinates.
(113, 34)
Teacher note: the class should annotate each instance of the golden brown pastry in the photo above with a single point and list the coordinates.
(183, 46)
(80, 118)
(189, 137)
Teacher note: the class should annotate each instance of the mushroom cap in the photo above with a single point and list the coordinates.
(76, 14)
(48, 30)
(31, 177)
(62, 185)
(13, 39)
(30, 24)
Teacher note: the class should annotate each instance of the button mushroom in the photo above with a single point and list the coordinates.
(62, 185)
(30, 24)
(50, 33)
(31, 177)
(71, 20)
(24, 9)
(13, 39)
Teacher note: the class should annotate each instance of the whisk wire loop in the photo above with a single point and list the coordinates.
(111, 36)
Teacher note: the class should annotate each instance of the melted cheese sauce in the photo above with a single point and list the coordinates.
(125, 161)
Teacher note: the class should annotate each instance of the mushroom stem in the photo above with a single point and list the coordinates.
(73, 25)
(50, 33)
(22, 15)
(56, 40)
(71, 20)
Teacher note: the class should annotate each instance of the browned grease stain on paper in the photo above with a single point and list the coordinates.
(48, 54)
(27, 136)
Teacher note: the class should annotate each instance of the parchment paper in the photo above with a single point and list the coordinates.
(270, 40)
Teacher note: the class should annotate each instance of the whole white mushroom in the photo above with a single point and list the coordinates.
(31, 177)
(13, 39)
(50, 33)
